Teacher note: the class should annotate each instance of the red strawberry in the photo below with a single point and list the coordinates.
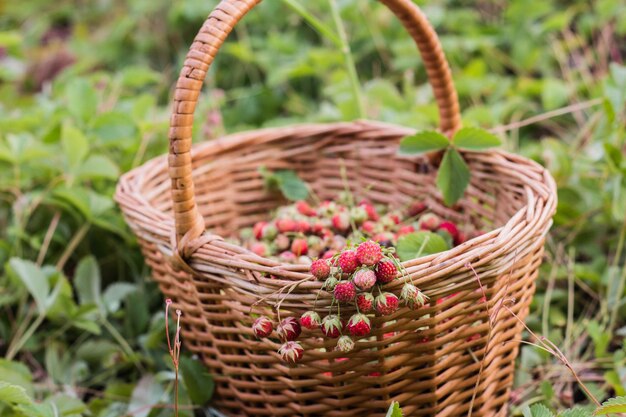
(304, 208)
(329, 254)
(259, 248)
(262, 327)
(368, 227)
(344, 291)
(303, 226)
(416, 208)
(364, 279)
(320, 269)
(365, 302)
(451, 229)
(310, 320)
(291, 352)
(359, 325)
(405, 230)
(331, 326)
(288, 329)
(372, 214)
(369, 253)
(348, 261)
(318, 228)
(299, 246)
(461, 238)
(286, 225)
(384, 238)
(430, 222)
(345, 344)
(257, 229)
(386, 303)
(287, 256)
(412, 296)
(282, 242)
(341, 221)
(386, 272)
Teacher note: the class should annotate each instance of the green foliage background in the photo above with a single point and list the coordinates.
(81, 325)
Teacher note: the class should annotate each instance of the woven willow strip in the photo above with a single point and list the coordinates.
(428, 359)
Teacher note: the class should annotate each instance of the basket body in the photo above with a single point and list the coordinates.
(428, 360)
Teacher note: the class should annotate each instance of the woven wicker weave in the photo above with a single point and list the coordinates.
(427, 359)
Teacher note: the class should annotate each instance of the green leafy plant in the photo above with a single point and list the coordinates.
(453, 176)
(287, 182)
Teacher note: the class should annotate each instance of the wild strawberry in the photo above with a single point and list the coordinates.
(259, 248)
(303, 226)
(386, 303)
(450, 228)
(282, 242)
(412, 296)
(329, 254)
(386, 272)
(257, 229)
(430, 222)
(364, 279)
(359, 325)
(358, 214)
(372, 214)
(310, 320)
(345, 344)
(320, 269)
(369, 253)
(338, 242)
(291, 352)
(286, 225)
(341, 221)
(304, 208)
(331, 326)
(416, 208)
(368, 227)
(288, 329)
(365, 302)
(269, 231)
(326, 208)
(405, 230)
(348, 261)
(384, 239)
(262, 327)
(299, 246)
(344, 291)
(461, 238)
(287, 256)
(330, 283)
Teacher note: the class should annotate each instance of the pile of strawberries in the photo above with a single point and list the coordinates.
(299, 233)
(356, 278)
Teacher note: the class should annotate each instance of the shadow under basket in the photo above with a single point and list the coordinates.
(429, 359)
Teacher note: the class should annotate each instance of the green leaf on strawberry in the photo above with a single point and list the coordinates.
(453, 176)
(475, 139)
(422, 142)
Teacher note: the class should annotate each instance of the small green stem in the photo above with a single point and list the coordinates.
(128, 350)
(349, 61)
(15, 348)
(71, 247)
(318, 25)
(622, 281)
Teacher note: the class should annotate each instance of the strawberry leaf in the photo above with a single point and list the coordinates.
(414, 245)
(612, 405)
(453, 176)
(394, 410)
(475, 139)
(423, 142)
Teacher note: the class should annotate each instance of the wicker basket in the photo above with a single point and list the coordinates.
(428, 359)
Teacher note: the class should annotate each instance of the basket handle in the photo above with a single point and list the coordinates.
(189, 222)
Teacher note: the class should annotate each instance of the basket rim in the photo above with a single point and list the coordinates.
(494, 243)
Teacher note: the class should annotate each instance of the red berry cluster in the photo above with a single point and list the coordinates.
(300, 232)
(353, 276)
